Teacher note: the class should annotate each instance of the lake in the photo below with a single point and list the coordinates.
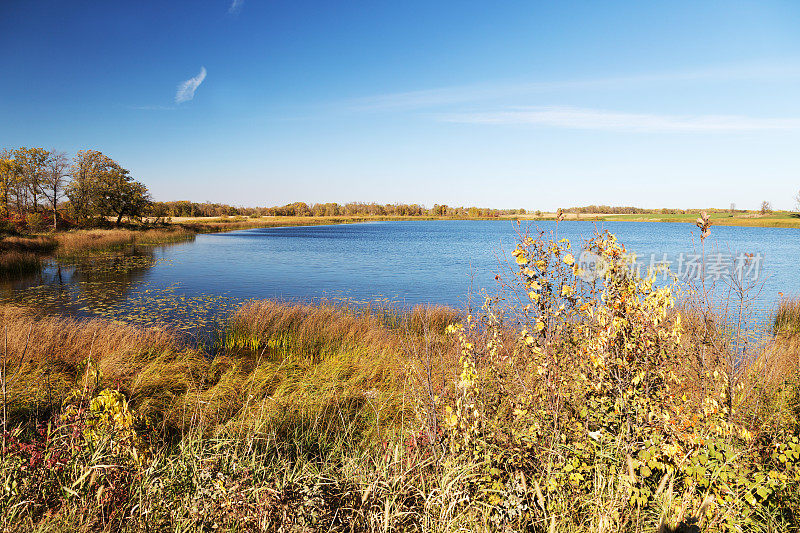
(402, 263)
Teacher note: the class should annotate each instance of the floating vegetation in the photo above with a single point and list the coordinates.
(114, 286)
(111, 287)
(145, 305)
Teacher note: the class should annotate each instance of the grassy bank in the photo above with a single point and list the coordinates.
(218, 224)
(780, 219)
(293, 431)
(548, 408)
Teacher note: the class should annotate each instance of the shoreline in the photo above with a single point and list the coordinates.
(215, 225)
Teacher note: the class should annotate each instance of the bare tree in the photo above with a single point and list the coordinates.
(797, 201)
(733, 207)
(54, 180)
(766, 207)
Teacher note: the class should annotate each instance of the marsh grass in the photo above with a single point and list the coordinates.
(84, 242)
(36, 244)
(287, 365)
(332, 416)
(787, 317)
(308, 432)
(17, 263)
(23, 255)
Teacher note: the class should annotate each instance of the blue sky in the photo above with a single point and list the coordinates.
(502, 104)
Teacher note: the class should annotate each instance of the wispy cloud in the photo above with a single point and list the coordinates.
(154, 107)
(593, 119)
(235, 7)
(187, 88)
(443, 96)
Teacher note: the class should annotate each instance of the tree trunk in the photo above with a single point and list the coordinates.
(119, 219)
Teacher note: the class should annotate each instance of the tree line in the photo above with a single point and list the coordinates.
(302, 209)
(87, 187)
(621, 210)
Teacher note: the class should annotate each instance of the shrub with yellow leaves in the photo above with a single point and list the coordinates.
(570, 392)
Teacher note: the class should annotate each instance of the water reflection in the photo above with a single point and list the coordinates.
(77, 286)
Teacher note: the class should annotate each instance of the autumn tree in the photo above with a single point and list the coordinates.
(86, 169)
(9, 176)
(101, 187)
(54, 181)
(33, 167)
(119, 194)
(766, 207)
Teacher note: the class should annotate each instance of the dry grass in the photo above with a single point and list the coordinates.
(16, 263)
(285, 365)
(313, 331)
(22, 255)
(149, 364)
(81, 242)
(779, 362)
(38, 244)
(219, 224)
(787, 317)
(298, 416)
(359, 363)
(85, 241)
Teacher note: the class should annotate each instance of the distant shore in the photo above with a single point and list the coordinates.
(23, 253)
(782, 219)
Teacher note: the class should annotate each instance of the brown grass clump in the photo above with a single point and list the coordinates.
(424, 319)
(15, 263)
(323, 364)
(163, 236)
(84, 241)
(787, 317)
(22, 255)
(302, 329)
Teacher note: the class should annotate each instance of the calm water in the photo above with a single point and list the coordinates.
(404, 262)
